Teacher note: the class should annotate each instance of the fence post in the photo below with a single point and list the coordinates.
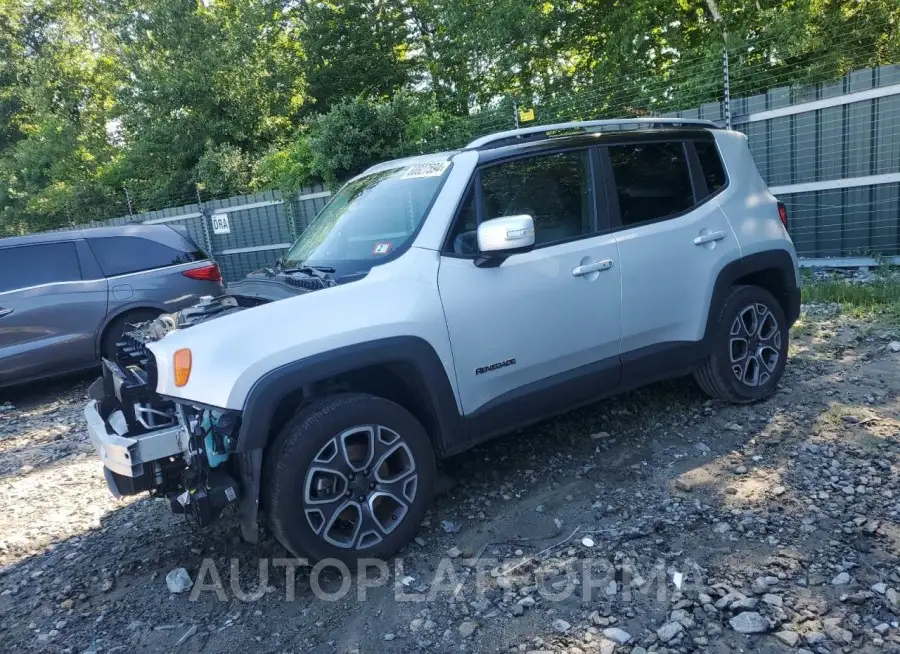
(727, 86)
(207, 238)
(516, 114)
(128, 201)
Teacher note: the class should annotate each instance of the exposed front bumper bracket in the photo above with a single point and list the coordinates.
(126, 455)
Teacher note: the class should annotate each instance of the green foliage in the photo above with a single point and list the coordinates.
(359, 132)
(164, 96)
(354, 48)
(223, 170)
(286, 168)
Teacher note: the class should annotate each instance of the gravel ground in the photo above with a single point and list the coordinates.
(658, 521)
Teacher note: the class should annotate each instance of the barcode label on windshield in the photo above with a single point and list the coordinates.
(431, 169)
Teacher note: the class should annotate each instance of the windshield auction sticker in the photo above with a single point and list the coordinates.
(431, 169)
(381, 248)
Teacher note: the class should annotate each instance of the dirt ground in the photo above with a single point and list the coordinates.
(659, 521)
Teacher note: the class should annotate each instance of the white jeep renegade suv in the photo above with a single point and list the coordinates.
(440, 300)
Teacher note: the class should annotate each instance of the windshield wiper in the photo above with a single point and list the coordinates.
(309, 270)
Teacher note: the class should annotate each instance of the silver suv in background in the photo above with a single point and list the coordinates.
(67, 297)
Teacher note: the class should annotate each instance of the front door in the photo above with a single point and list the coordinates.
(542, 330)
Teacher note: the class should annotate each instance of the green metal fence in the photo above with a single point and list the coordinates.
(830, 151)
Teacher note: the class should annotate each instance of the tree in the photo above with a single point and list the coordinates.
(201, 77)
(162, 96)
(56, 88)
(354, 48)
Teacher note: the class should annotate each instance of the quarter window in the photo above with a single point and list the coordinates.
(652, 181)
(464, 239)
(711, 165)
(120, 255)
(33, 265)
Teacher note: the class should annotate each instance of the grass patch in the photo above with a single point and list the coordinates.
(879, 296)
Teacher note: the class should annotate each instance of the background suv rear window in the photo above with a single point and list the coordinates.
(652, 181)
(120, 255)
(33, 265)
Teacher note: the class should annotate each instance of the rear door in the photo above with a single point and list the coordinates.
(49, 310)
(673, 240)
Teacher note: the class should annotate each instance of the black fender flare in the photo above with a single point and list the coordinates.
(431, 377)
(777, 260)
(269, 390)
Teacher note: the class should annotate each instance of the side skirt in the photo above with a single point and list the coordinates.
(577, 388)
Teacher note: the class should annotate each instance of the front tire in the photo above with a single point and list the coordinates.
(349, 477)
(749, 347)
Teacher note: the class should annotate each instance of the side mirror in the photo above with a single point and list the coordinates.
(500, 237)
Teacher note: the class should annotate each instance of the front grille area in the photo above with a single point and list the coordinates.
(309, 283)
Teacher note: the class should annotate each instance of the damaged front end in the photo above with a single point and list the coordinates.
(152, 444)
(176, 449)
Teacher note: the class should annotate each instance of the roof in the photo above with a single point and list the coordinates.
(587, 139)
(72, 234)
(556, 135)
(540, 132)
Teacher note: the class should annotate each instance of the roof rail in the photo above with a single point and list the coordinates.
(617, 124)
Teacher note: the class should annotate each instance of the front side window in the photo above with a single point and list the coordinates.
(370, 217)
(652, 181)
(553, 189)
(33, 265)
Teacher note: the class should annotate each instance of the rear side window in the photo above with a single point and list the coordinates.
(652, 181)
(120, 255)
(711, 165)
(33, 265)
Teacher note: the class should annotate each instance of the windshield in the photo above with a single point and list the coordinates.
(369, 218)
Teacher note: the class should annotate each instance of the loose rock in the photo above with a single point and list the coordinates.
(789, 638)
(467, 628)
(669, 630)
(561, 626)
(749, 622)
(619, 635)
(178, 581)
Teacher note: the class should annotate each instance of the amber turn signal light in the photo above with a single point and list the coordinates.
(182, 364)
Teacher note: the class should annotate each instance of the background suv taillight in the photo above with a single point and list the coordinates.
(782, 213)
(210, 273)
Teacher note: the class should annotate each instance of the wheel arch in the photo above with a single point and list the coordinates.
(772, 270)
(405, 370)
(120, 311)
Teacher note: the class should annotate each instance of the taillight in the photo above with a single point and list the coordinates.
(210, 273)
(782, 213)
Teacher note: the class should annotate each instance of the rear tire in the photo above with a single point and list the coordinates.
(749, 347)
(116, 329)
(349, 477)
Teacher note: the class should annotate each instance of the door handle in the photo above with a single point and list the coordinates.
(709, 238)
(597, 266)
(5, 312)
